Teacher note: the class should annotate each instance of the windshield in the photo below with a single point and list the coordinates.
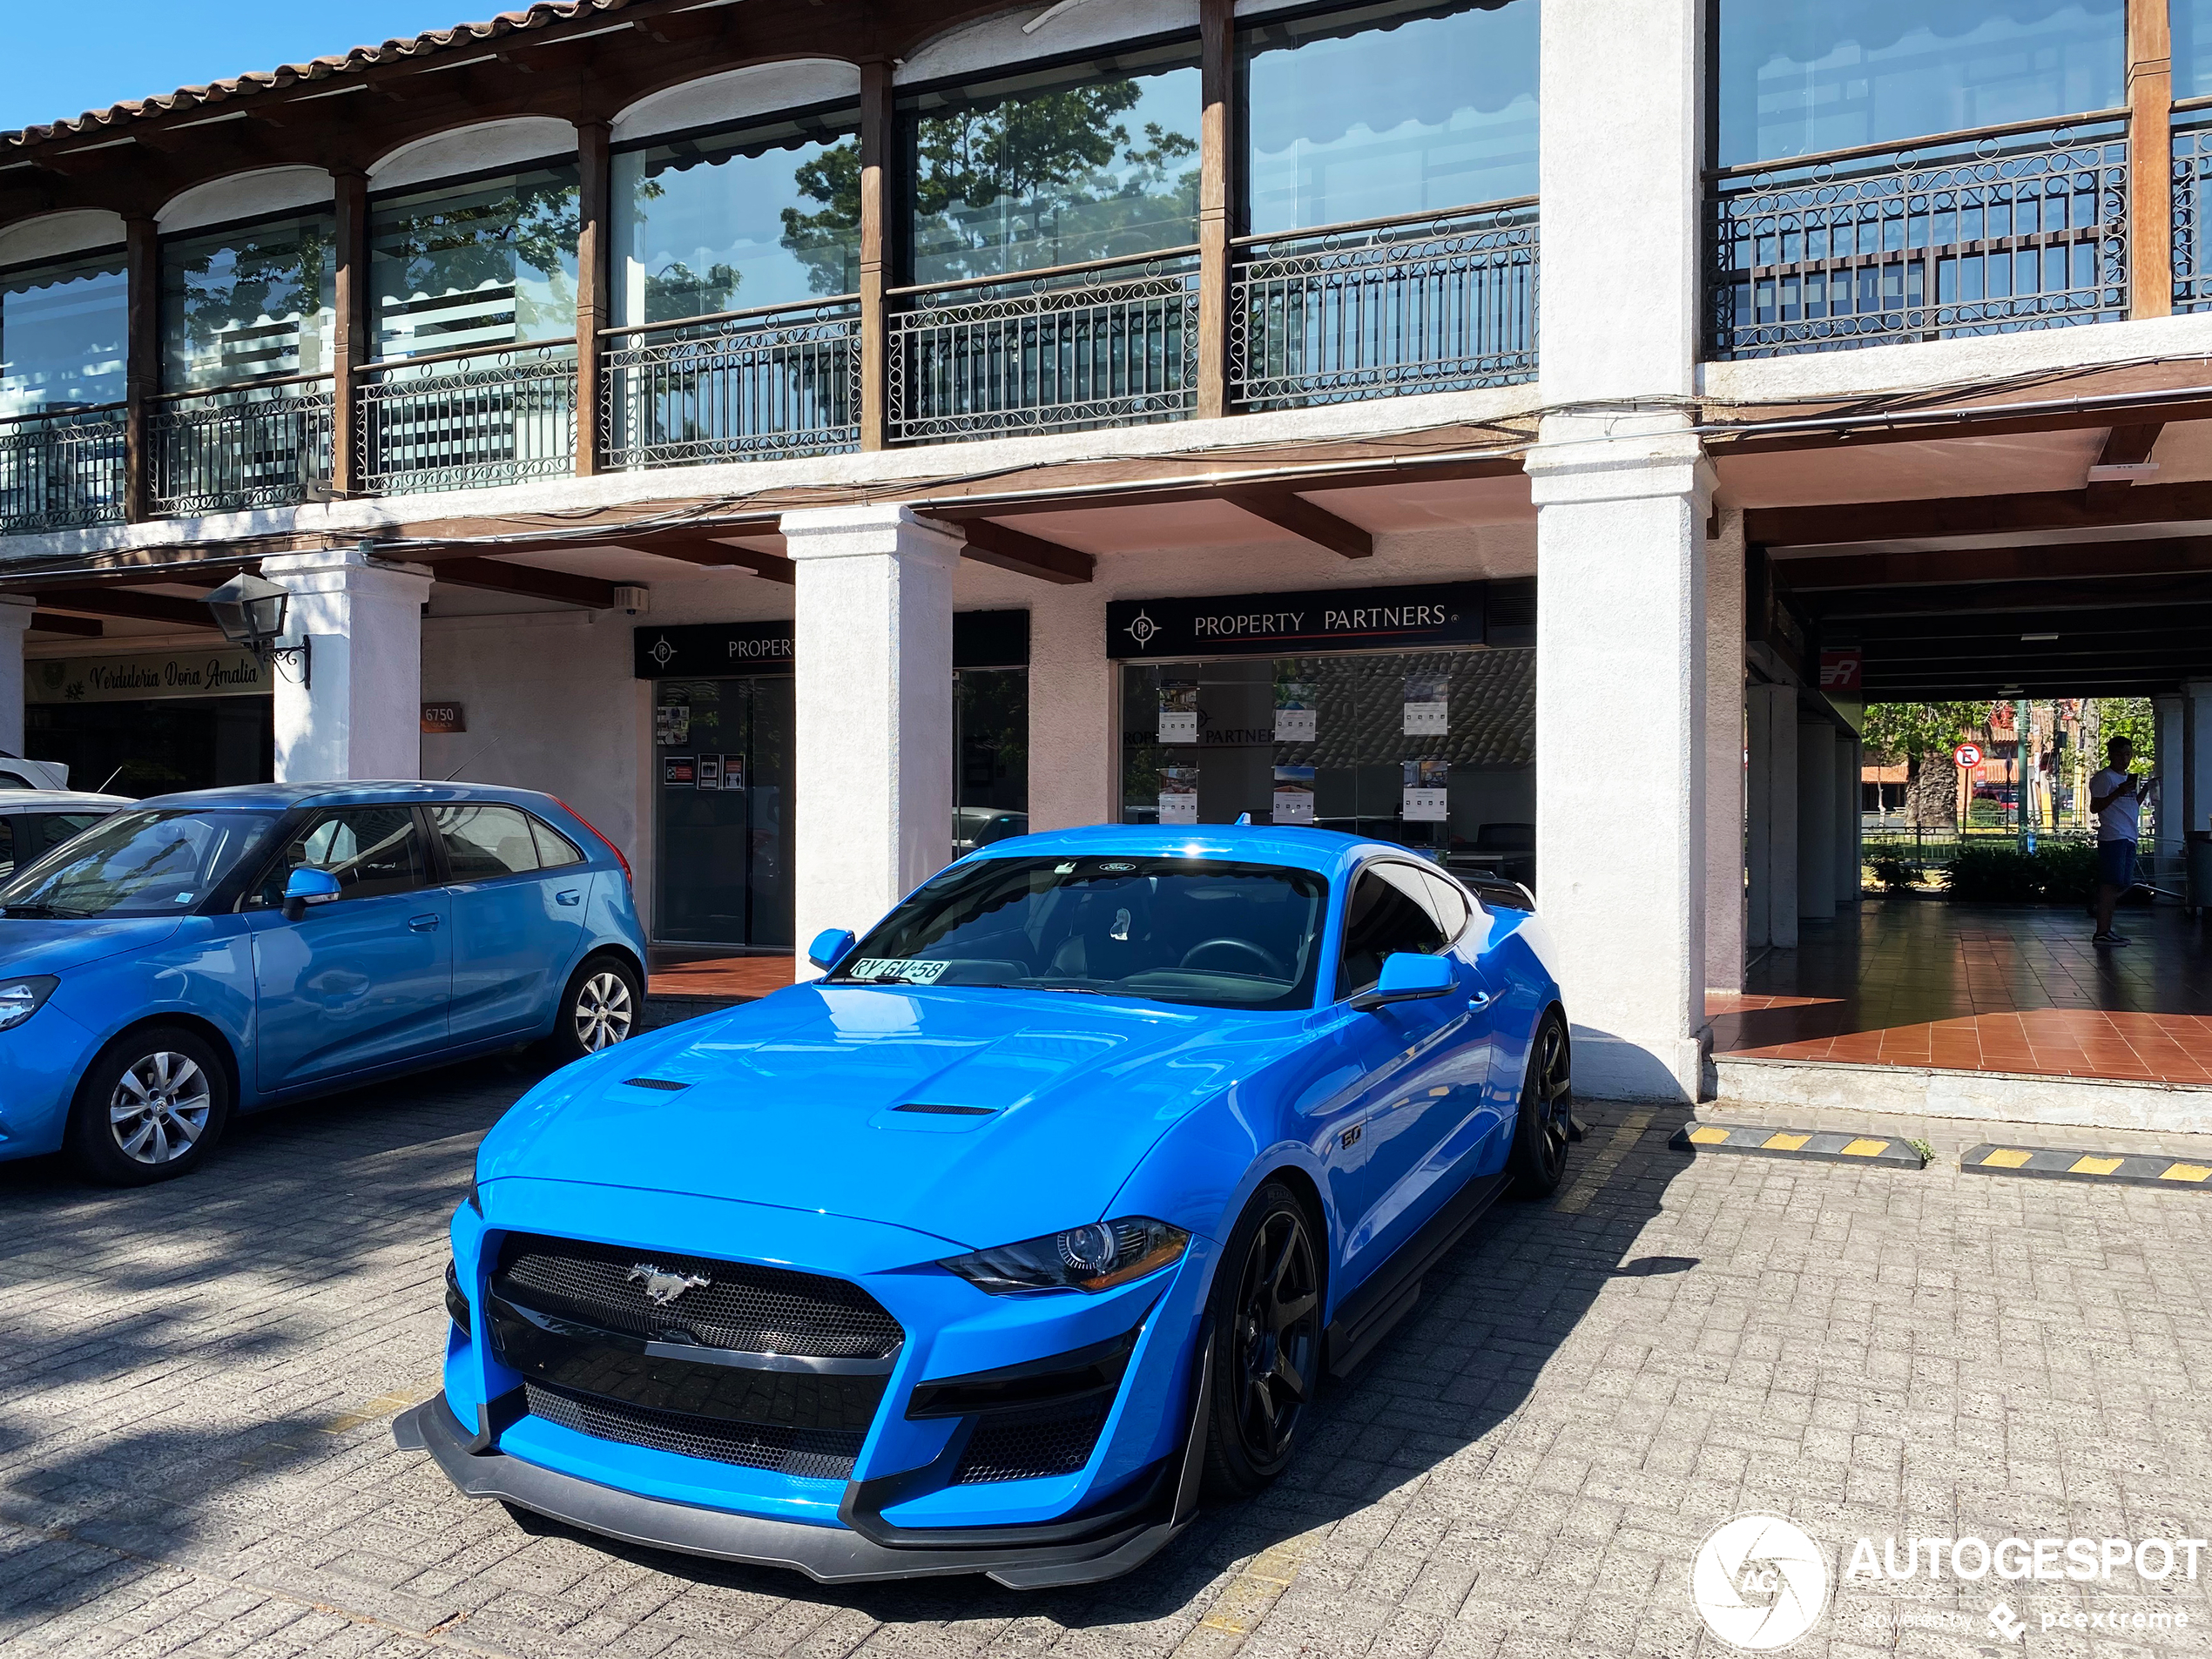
(1164, 929)
(137, 864)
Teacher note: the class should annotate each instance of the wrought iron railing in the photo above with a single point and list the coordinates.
(468, 419)
(244, 446)
(1109, 343)
(2192, 185)
(742, 386)
(1441, 302)
(1991, 231)
(61, 470)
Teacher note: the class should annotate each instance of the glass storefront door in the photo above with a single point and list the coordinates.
(722, 750)
(990, 756)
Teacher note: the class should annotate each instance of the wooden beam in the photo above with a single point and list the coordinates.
(2150, 147)
(592, 313)
(350, 346)
(1018, 550)
(2055, 599)
(2058, 562)
(123, 602)
(1354, 475)
(1293, 512)
(876, 114)
(1217, 191)
(1886, 520)
(141, 360)
(721, 553)
(50, 622)
(2124, 446)
(498, 576)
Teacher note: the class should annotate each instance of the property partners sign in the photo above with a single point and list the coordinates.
(155, 674)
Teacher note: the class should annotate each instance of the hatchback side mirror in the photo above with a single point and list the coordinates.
(829, 948)
(1407, 977)
(305, 886)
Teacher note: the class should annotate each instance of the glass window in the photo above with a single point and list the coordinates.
(1387, 109)
(489, 263)
(1160, 929)
(62, 332)
(1450, 902)
(553, 849)
(485, 842)
(137, 864)
(768, 216)
(991, 756)
(371, 850)
(1054, 166)
(1801, 77)
(1389, 912)
(247, 304)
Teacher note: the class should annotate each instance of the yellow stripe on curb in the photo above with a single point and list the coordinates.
(2006, 1157)
(1784, 1143)
(1865, 1148)
(1709, 1136)
(2187, 1173)
(2093, 1166)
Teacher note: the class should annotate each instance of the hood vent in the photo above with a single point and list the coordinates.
(946, 1111)
(653, 1082)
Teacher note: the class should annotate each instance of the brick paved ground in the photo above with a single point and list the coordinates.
(196, 1383)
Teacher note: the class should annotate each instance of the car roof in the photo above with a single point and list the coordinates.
(56, 800)
(353, 792)
(1330, 851)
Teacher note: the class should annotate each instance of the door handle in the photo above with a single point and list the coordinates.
(422, 925)
(1480, 1001)
(572, 896)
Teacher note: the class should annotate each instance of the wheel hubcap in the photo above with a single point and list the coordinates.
(1278, 1320)
(159, 1108)
(603, 1013)
(1554, 1099)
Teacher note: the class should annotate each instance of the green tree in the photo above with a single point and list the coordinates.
(679, 292)
(1918, 734)
(2130, 717)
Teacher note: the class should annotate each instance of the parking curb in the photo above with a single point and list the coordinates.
(2055, 1164)
(1821, 1146)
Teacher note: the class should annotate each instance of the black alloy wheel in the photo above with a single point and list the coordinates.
(1267, 1337)
(1547, 1117)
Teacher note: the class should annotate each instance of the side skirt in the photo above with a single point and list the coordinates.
(1369, 1312)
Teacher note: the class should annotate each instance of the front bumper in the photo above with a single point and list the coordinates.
(1082, 1550)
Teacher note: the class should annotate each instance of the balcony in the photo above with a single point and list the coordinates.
(1990, 231)
(241, 448)
(2192, 130)
(1430, 304)
(744, 386)
(469, 419)
(62, 471)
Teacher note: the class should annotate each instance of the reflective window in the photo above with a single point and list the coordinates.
(484, 842)
(1386, 110)
(1389, 912)
(247, 304)
(1800, 77)
(2192, 23)
(766, 216)
(137, 864)
(1056, 166)
(61, 334)
(489, 263)
(1449, 900)
(371, 850)
(553, 849)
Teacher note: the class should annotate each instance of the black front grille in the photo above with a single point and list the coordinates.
(809, 1454)
(1020, 1446)
(756, 1310)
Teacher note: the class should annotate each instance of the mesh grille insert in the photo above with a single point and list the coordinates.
(1020, 1446)
(757, 1310)
(807, 1453)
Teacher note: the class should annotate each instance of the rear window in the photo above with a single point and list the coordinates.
(484, 841)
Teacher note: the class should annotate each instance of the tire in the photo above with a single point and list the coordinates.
(1267, 1311)
(1540, 1135)
(150, 1108)
(600, 1007)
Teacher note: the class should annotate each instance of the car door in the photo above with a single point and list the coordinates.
(518, 916)
(361, 981)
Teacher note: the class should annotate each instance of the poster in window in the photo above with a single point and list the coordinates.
(1297, 712)
(1178, 794)
(1427, 786)
(1428, 706)
(1294, 795)
(733, 771)
(679, 772)
(1179, 711)
(672, 724)
(710, 773)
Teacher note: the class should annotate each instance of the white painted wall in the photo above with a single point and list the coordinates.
(1816, 820)
(1847, 821)
(54, 236)
(1026, 32)
(2167, 711)
(244, 195)
(473, 149)
(1770, 809)
(360, 711)
(1724, 767)
(758, 89)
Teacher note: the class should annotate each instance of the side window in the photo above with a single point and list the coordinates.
(483, 842)
(371, 851)
(553, 849)
(46, 831)
(1449, 900)
(1388, 913)
(8, 847)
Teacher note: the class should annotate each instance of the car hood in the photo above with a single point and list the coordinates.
(29, 945)
(796, 1101)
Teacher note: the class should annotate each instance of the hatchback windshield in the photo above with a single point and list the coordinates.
(1164, 929)
(137, 864)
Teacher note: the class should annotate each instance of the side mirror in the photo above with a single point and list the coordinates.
(829, 948)
(307, 885)
(1407, 977)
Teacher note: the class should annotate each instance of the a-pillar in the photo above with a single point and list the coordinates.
(1816, 820)
(871, 650)
(1771, 817)
(15, 619)
(1725, 785)
(350, 706)
(1848, 856)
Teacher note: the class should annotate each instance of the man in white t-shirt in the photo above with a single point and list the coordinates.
(2116, 796)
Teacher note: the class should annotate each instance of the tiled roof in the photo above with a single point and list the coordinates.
(353, 63)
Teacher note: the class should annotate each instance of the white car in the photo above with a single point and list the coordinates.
(15, 772)
(35, 821)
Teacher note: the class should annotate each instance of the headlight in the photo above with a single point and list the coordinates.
(1093, 1259)
(21, 998)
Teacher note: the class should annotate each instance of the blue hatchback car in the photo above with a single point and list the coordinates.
(235, 948)
(1046, 1210)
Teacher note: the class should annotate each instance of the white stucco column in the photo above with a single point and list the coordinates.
(1816, 820)
(2196, 749)
(1074, 769)
(1725, 759)
(1770, 814)
(356, 710)
(2165, 711)
(871, 743)
(1847, 853)
(15, 619)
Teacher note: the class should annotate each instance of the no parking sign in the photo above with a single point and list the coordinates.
(1967, 756)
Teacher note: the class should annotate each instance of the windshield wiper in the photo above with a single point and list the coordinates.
(54, 911)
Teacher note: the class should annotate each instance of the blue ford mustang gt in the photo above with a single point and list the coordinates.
(1044, 1211)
